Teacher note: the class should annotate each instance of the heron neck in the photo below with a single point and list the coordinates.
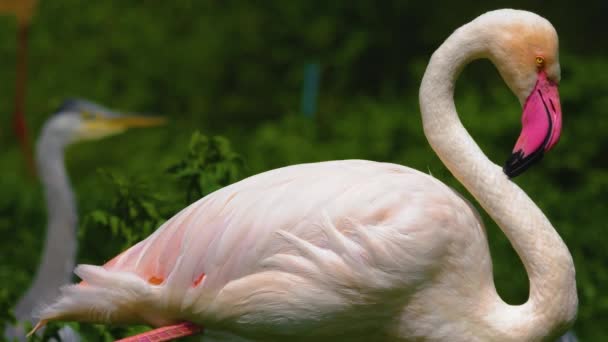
(552, 298)
(59, 250)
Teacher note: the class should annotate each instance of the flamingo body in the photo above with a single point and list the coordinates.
(358, 250)
(292, 247)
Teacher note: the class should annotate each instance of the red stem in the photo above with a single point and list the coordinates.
(19, 123)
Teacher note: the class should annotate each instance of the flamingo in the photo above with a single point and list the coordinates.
(358, 250)
(76, 120)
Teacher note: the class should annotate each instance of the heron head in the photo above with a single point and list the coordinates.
(524, 48)
(78, 120)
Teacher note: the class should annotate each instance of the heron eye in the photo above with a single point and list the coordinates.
(540, 61)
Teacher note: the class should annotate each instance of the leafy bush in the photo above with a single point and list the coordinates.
(133, 214)
(209, 165)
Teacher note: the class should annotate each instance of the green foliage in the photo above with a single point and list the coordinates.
(209, 165)
(133, 214)
(6, 310)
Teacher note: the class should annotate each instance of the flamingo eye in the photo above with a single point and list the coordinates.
(540, 61)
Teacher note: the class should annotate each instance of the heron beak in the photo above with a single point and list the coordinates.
(131, 121)
(541, 127)
(102, 126)
(122, 123)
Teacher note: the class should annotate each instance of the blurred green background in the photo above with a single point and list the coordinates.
(236, 69)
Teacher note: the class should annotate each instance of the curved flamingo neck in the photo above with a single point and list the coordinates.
(552, 301)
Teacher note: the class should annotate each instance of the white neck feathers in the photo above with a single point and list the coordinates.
(59, 251)
(552, 300)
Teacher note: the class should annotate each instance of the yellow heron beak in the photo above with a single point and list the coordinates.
(130, 121)
(97, 126)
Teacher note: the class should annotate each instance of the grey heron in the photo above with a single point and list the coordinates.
(76, 120)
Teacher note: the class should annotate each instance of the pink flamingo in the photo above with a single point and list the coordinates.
(358, 250)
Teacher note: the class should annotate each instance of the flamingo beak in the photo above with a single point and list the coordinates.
(541, 127)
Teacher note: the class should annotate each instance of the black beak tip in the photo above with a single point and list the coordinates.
(511, 165)
(510, 171)
(517, 163)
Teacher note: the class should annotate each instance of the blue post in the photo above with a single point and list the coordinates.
(310, 89)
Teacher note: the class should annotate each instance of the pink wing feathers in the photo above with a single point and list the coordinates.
(176, 273)
(224, 230)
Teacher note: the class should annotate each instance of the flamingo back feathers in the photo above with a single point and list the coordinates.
(312, 232)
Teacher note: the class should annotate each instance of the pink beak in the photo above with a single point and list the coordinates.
(541, 126)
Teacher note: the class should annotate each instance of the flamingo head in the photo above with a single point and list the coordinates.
(525, 50)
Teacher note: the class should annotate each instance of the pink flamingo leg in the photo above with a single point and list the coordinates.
(165, 333)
